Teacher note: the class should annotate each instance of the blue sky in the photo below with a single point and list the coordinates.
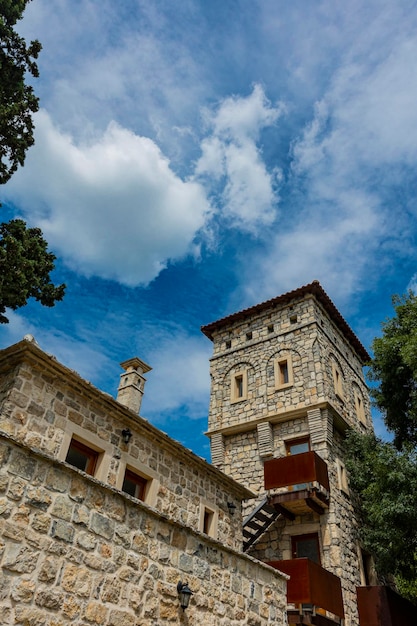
(193, 158)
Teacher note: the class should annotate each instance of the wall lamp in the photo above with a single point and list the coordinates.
(184, 594)
(232, 507)
(127, 435)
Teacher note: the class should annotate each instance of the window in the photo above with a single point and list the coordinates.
(337, 380)
(228, 344)
(297, 446)
(208, 519)
(342, 477)
(367, 568)
(359, 406)
(306, 546)
(249, 335)
(293, 319)
(134, 485)
(270, 328)
(81, 456)
(239, 386)
(283, 372)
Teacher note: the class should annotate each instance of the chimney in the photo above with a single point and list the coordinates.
(132, 383)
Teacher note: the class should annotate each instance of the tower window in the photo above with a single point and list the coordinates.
(249, 335)
(338, 381)
(360, 409)
(342, 476)
(228, 344)
(239, 386)
(270, 328)
(207, 521)
(283, 372)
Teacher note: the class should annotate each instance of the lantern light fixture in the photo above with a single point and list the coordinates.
(126, 434)
(184, 594)
(232, 507)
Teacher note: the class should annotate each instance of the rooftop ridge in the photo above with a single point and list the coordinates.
(314, 288)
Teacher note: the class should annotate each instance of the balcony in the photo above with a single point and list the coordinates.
(381, 606)
(300, 483)
(315, 592)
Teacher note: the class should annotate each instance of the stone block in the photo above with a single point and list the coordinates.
(62, 530)
(102, 525)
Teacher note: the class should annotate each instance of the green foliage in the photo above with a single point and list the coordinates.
(25, 266)
(17, 100)
(394, 368)
(385, 479)
(25, 263)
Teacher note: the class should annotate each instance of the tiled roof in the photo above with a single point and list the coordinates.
(314, 289)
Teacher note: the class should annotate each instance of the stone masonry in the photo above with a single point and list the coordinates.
(76, 549)
(302, 337)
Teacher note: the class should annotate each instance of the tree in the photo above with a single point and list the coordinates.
(385, 479)
(25, 263)
(383, 474)
(17, 100)
(394, 368)
(25, 266)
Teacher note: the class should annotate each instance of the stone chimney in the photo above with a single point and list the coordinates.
(132, 383)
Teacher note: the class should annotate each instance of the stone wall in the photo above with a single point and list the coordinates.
(43, 404)
(327, 394)
(76, 551)
(337, 530)
(303, 332)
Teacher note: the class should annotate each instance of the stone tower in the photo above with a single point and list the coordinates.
(286, 385)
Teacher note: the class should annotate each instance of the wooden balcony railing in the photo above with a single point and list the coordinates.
(311, 584)
(381, 606)
(296, 469)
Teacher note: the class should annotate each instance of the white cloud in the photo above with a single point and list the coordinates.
(231, 156)
(180, 377)
(112, 207)
(344, 218)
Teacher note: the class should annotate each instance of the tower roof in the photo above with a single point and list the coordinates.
(314, 289)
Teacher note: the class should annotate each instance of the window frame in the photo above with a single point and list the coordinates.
(239, 382)
(342, 477)
(305, 537)
(297, 441)
(278, 365)
(209, 517)
(337, 380)
(360, 407)
(92, 441)
(90, 453)
(141, 482)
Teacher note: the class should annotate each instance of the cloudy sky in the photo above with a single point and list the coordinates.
(193, 158)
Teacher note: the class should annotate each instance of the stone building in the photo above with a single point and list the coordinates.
(286, 384)
(102, 514)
